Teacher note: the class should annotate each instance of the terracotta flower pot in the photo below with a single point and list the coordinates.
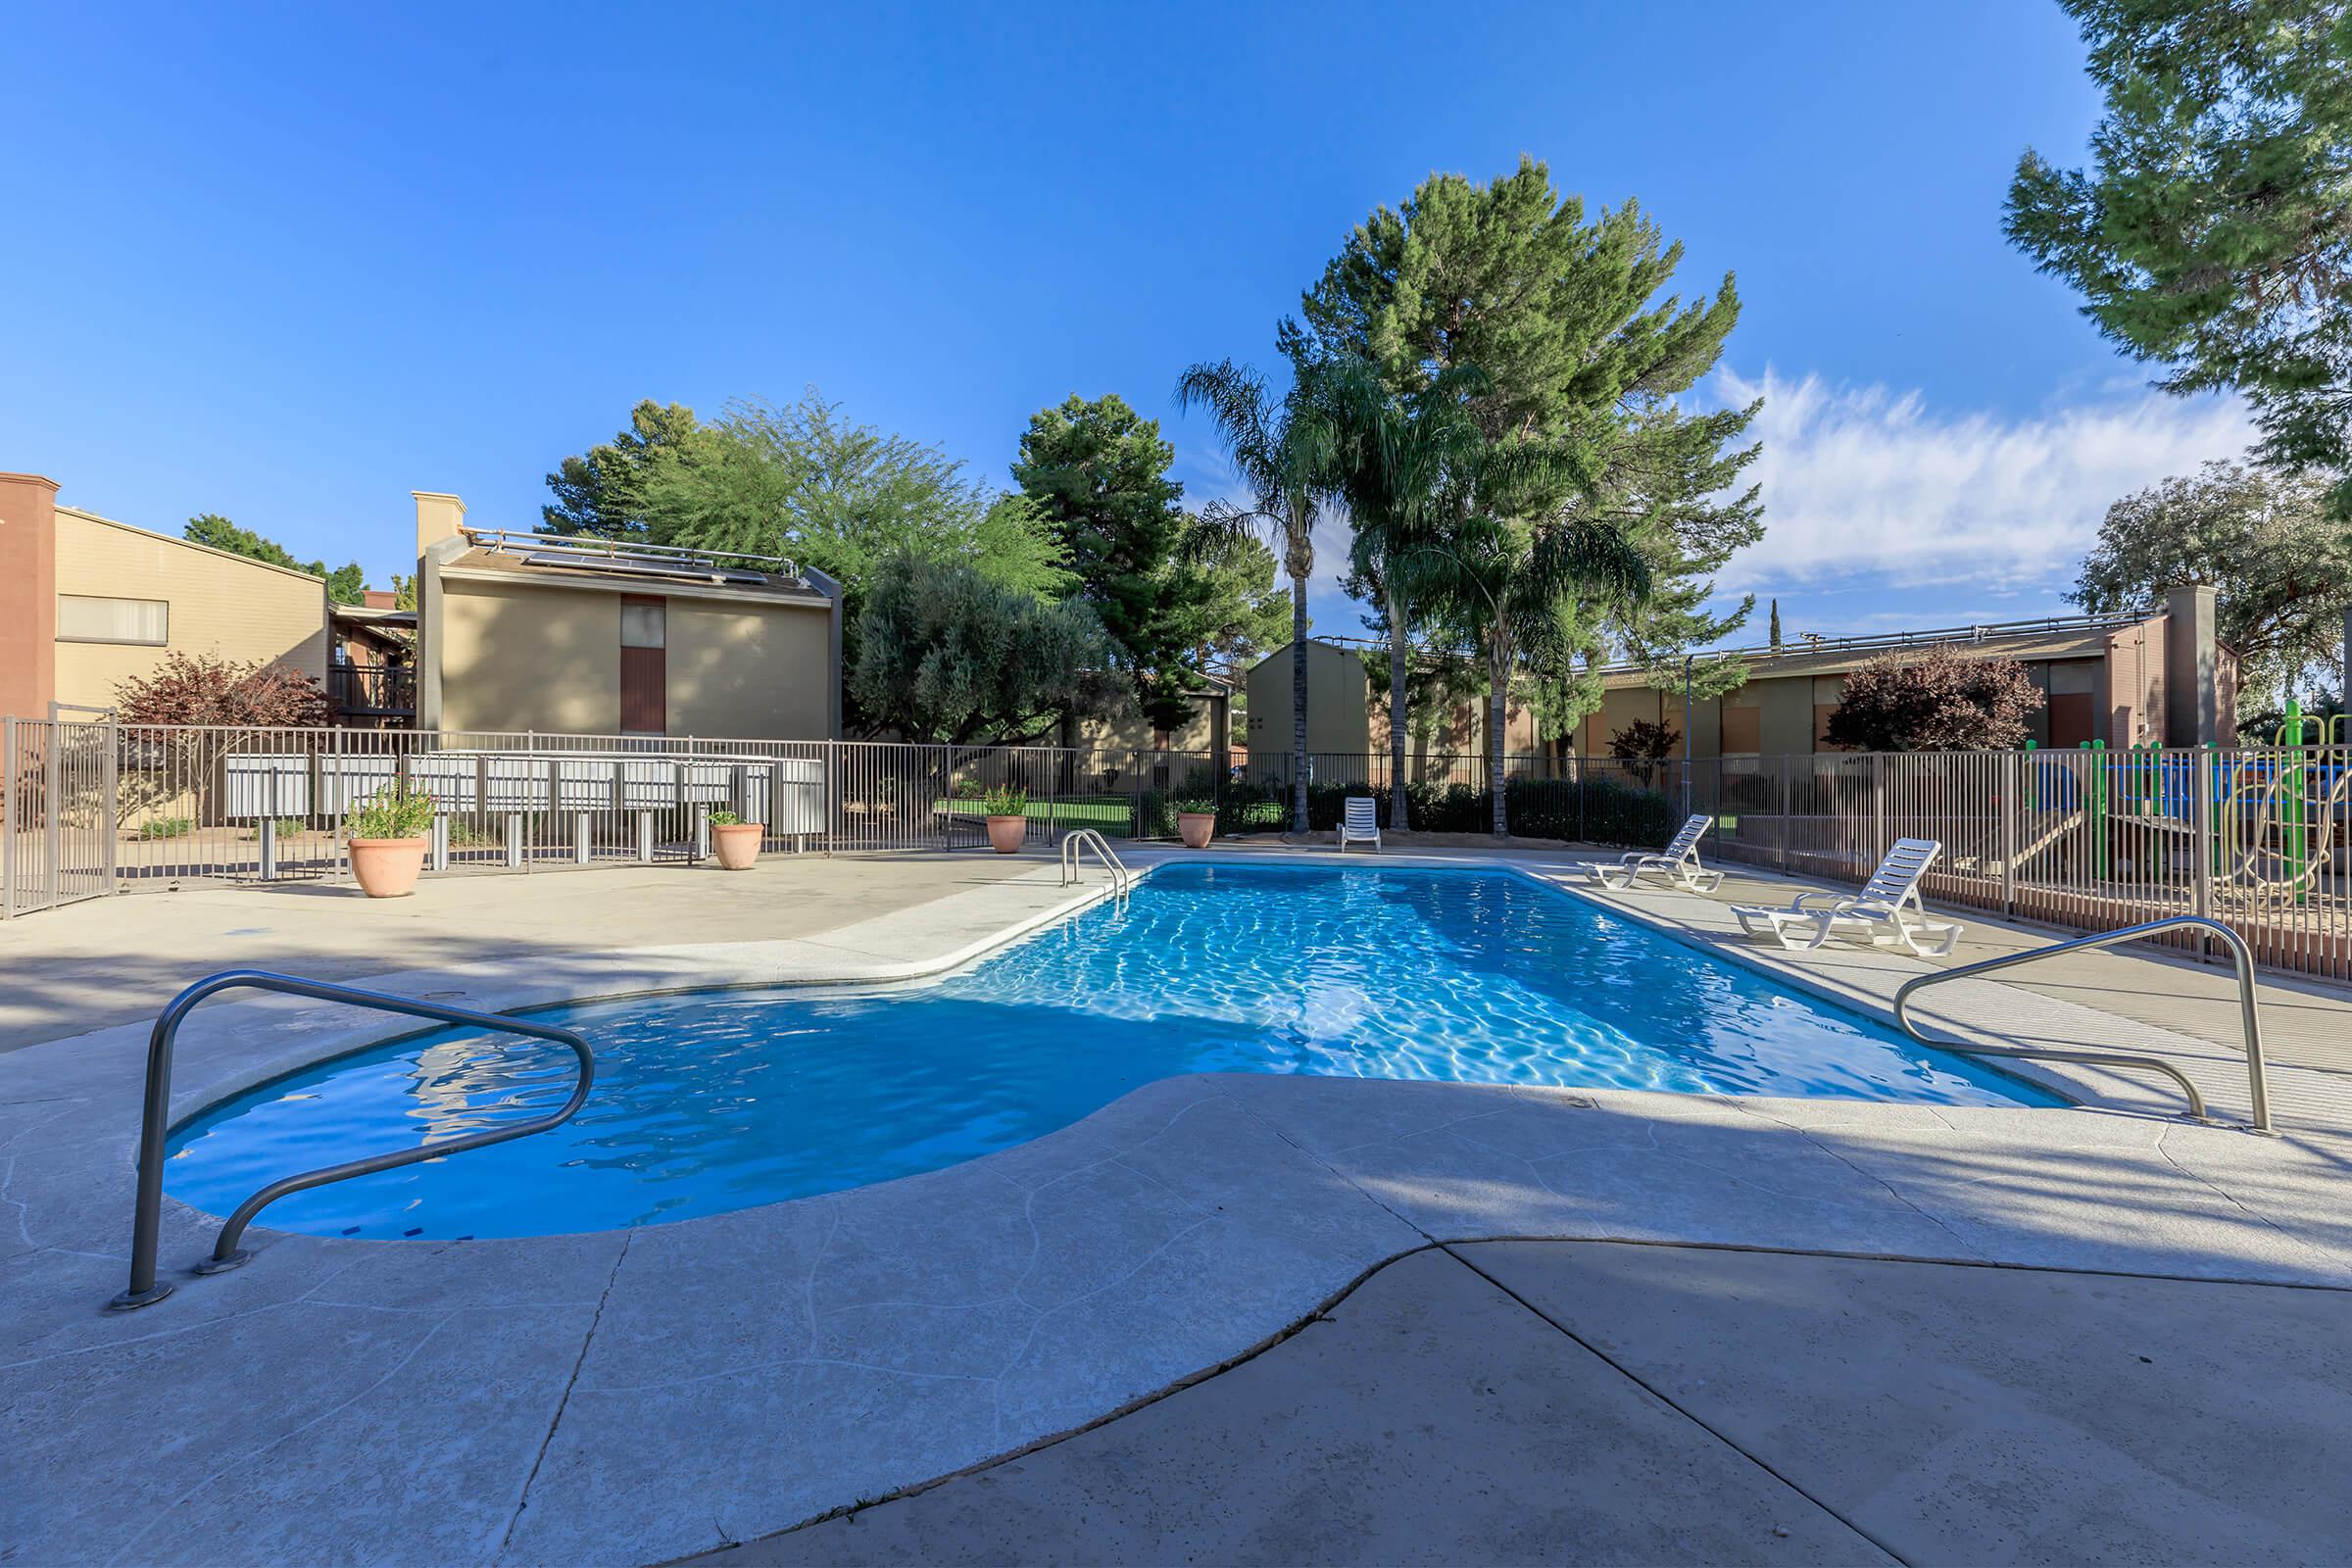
(737, 844)
(1195, 829)
(1005, 833)
(387, 868)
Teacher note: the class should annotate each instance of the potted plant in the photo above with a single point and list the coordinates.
(1196, 819)
(1008, 813)
(388, 841)
(734, 841)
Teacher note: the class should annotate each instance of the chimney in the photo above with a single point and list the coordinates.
(438, 517)
(2193, 700)
(27, 594)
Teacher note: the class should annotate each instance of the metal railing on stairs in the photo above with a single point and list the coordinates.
(2250, 1014)
(1122, 880)
(156, 1117)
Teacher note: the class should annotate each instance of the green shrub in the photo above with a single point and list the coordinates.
(166, 827)
(1600, 810)
(969, 788)
(1006, 800)
(725, 820)
(392, 812)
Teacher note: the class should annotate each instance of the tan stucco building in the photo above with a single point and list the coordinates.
(87, 602)
(519, 633)
(1338, 717)
(2125, 681)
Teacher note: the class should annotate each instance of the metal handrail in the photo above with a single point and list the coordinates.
(1121, 879)
(2240, 956)
(155, 1120)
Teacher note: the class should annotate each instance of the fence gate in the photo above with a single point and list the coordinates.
(57, 811)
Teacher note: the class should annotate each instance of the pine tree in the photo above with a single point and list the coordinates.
(1097, 474)
(1582, 356)
(1775, 625)
(2209, 235)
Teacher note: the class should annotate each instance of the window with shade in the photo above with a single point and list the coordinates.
(88, 619)
(644, 672)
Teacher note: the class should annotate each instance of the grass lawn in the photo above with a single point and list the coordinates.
(1094, 810)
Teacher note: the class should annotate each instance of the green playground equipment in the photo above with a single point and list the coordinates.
(2094, 806)
(2293, 809)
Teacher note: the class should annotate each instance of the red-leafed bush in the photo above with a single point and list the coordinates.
(203, 689)
(1940, 701)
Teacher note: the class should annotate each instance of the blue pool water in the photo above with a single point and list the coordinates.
(725, 1099)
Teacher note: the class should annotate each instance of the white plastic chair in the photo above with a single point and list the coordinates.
(1678, 862)
(1886, 911)
(1360, 823)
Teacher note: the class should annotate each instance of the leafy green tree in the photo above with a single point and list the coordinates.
(804, 481)
(600, 492)
(1284, 455)
(944, 654)
(346, 584)
(1098, 473)
(1581, 355)
(1246, 614)
(2281, 568)
(2211, 233)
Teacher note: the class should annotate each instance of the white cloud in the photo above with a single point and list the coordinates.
(1868, 484)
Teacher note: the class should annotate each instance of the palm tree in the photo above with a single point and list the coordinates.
(1396, 461)
(1515, 585)
(1284, 456)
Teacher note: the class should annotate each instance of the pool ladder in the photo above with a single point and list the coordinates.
(1122, 880)
(154, 1118)
(2249, 1013)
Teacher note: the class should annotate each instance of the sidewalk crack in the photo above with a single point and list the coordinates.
(628, 1239)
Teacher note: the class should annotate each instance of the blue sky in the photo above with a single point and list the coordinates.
(290, 264)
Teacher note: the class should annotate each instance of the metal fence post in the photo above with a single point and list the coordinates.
(10, 809)
(2008, 809)
(53, 836)
(110, 818)
(2201, 766)
(1787, 829)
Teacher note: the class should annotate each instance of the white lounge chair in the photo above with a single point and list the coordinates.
(1678, 862)
(1359, 823)
(1886, 911)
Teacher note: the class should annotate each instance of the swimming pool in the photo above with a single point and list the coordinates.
(725, 1099)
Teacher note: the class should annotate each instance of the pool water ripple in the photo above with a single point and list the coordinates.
(721, 1100)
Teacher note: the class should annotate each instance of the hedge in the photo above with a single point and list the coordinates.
(1598, 810)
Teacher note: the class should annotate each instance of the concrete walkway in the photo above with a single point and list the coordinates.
(114, 960)
(1547, 1401)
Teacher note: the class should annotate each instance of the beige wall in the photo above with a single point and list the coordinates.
(1337, 703)
(527, 657)
(531, 657)
(1135, 732)
(220, 604)
(759, 672)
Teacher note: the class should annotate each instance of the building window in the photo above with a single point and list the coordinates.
(84, 618)
(644, 676)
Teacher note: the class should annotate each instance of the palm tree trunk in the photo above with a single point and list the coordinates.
(1299, 703)
(1397, 811)
(1498, 688)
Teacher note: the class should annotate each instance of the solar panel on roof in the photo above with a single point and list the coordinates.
(640, 567)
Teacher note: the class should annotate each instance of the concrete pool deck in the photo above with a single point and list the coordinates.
(1599, 1402)
(637, 1396)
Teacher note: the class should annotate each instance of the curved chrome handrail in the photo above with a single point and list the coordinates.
(154, 1118)
(1121, 879)
(2242, 956)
